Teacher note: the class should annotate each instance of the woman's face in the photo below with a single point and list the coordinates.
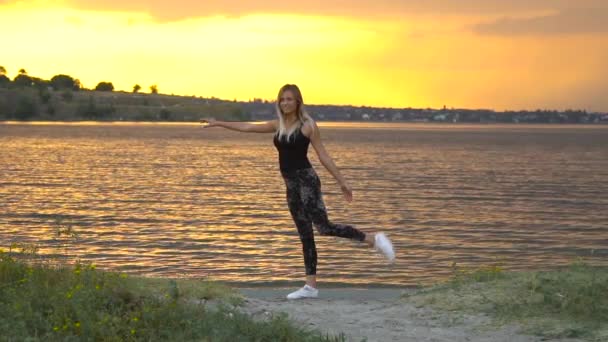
(288, 102)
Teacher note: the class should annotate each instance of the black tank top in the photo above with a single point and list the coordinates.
(292, 153)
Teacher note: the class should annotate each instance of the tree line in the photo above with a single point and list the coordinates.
(64, 98)
(57, 82)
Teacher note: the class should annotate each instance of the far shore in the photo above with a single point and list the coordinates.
(330, 124)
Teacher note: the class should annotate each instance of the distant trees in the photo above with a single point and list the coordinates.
(237, 113)
(104, 86)
(67, 96)
(60, 82)
(23, 80)
(44, 95)
(26, 108)
(4, 81)
(26, 97)
(93, 110)
(164, 114)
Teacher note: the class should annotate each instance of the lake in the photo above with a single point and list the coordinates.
(174, 200)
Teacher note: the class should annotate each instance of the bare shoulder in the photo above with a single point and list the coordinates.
(310, 128)
(274, 123)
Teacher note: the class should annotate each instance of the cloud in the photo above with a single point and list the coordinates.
(573, 21)
(181, 9)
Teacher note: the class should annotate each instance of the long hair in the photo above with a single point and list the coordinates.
(301, 113)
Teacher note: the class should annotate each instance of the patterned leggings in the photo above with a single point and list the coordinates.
(307, 208)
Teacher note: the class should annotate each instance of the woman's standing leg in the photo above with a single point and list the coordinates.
(304, 226)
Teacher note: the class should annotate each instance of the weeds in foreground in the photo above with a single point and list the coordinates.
(568, 302)
(41, 302)
(45, 300)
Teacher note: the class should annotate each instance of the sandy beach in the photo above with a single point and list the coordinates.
(378, 315)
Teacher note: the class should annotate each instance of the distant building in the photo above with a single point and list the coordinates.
(440, 117)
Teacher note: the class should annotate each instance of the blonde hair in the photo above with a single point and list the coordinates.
(302, 115)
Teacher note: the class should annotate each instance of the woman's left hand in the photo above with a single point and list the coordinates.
(347, 191)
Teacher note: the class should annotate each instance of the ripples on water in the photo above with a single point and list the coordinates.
(175, 200)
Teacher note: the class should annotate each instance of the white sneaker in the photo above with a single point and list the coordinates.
(304, 292)
(384, 245)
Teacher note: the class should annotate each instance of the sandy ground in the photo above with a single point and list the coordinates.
(377, 315)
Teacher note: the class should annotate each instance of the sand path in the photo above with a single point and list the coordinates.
(378, 315)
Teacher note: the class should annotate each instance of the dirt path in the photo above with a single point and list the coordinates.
(377, 315)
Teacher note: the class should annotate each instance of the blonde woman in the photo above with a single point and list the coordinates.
(294, 130)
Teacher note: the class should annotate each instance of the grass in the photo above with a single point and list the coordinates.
(568, 302)
(43, 302)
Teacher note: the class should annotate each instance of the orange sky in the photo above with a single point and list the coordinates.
(459, 53)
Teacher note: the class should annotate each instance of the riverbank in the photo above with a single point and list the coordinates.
(42, 301)
(44, 102)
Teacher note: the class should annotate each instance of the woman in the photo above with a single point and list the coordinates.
(294, 131)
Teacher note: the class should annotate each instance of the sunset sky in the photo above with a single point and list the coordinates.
(496, 54)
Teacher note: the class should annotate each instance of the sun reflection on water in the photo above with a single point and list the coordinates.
(172, 200)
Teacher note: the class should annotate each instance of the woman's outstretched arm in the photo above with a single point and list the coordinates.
(249, 127)
(312, 132)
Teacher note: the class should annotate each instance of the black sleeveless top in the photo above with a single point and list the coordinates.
(292, 153)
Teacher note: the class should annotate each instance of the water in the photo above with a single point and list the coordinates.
(176, 200)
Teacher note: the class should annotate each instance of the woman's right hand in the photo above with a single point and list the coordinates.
(209, 122)
(347, 191)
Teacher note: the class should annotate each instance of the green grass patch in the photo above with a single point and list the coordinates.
(42, 302)
(568, 302)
